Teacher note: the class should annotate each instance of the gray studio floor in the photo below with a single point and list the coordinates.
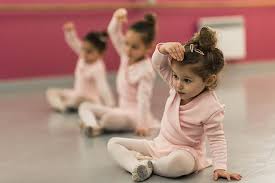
(38, 145)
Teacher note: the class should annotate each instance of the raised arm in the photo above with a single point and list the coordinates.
(160, 60)
(115, 29)
(161, 64)
(71, 37)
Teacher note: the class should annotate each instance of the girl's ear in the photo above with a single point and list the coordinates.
(211, 80)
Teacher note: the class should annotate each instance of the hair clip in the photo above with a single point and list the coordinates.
(192, 49)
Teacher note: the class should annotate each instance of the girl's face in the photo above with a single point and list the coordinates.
(135, 47)
(90, 53)
(187, 84)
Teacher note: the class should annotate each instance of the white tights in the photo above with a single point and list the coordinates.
(111, 119)
(62, 99)
(177, 163)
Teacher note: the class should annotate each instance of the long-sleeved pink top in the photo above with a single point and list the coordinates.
(90, 79)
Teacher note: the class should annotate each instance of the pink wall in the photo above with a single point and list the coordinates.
(60, 1)
(32, 44)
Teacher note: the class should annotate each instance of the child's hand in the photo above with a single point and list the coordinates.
(173, 49)
(142, 131)
(69, 26)
(121, 14)
(226, 175)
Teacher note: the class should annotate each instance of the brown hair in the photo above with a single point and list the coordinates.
(202, 50)
(146, 27)
(98, 39)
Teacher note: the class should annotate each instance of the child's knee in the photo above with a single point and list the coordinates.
(184, 161)
(177, 164)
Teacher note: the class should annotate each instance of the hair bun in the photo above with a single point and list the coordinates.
(150, 18)
(207, 39)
